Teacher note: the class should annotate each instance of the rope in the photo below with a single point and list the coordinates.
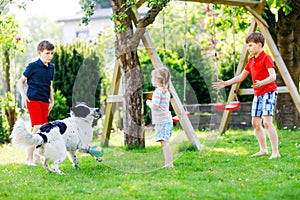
(164, 37)
(214, 38)
(216, 58)
(185, 52)
(233, 37)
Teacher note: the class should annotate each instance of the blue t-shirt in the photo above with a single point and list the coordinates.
(39, 78)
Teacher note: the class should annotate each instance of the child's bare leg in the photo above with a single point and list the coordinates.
(29, 159)
(260, 136)
(32, 158)
(273, 136)
(36, 158)
(168, 154)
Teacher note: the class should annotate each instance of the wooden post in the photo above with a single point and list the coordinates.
(110, 105)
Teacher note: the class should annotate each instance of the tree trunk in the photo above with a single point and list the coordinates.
(288, 35)
(126, 45)
(126, 53)
(6, 75)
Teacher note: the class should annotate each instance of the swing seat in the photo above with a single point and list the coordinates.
(176, 118)
(219, 106)
(234, 105)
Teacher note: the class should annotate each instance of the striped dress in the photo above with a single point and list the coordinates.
(160, 107)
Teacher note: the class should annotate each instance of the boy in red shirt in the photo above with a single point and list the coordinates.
(262, 69)
(39, 97)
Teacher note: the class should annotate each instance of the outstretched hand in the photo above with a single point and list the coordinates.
(218, 85)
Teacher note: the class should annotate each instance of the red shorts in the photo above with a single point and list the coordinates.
(38, 111)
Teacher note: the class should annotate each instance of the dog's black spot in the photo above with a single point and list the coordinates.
(80, 111)
(44, 138)
(48, 126)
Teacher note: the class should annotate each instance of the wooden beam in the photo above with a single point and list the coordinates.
(250, 3)
(281, 65)
(175, 101)
(110, 106)
(249, 91)
(257, 16)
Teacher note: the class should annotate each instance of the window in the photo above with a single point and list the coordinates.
(82, 34)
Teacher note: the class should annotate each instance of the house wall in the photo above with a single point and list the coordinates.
(72, 29)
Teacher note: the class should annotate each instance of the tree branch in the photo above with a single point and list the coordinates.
(143, 23)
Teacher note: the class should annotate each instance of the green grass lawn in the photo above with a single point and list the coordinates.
(223, 170)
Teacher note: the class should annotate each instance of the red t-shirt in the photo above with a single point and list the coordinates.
(258, 67)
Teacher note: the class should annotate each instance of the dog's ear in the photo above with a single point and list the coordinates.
(80, 111)
(46, 127)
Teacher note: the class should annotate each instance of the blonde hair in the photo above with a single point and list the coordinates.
(162, 75)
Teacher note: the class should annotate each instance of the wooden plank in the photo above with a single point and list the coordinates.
(249, 91)
(110, 106)
(175, 101)
(250, 3)
(115, 98)
(147, 95)
(120, 97)
(281, 66)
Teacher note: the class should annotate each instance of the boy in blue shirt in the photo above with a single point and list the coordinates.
(39, 97)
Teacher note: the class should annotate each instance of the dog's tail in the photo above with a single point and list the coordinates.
(22, 138)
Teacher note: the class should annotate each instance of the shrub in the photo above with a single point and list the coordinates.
(77, 73)
(8, 115)
(4, 129)
(60, 109)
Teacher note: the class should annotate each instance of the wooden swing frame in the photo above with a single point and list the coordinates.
(255, 8)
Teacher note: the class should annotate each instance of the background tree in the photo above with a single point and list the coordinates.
(283, 18)
(11, 45)
(4, 5)
(127, 41)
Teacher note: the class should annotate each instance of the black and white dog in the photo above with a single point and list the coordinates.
(58, 139)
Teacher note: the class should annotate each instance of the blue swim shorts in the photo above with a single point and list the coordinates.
(264, 105)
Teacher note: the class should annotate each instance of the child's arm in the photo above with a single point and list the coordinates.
(239, 78)
(149, 103)
(21, 89)
(51, 104)
(155, 102)
(269, 79)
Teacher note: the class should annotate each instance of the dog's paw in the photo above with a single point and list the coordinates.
(99, 159)
(57, 171)
(76, 166)
(60, 172)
